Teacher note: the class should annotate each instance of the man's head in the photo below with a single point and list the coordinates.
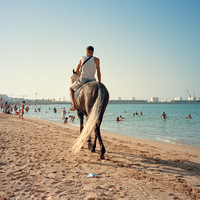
(89, 51)
(90, 48)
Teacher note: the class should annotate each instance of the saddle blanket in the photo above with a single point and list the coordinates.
(77, 91)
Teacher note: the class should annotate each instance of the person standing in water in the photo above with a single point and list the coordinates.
(22, 109)
(164, 116)
(63, 113)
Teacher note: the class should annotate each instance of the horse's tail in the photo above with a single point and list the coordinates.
(92, 120)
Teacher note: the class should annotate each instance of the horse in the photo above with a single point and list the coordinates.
(91, 102)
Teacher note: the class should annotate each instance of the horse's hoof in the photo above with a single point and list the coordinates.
(89, 145)
(102, 157)
(93, 150)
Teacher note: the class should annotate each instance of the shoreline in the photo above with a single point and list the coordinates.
(76, 127)
(36, 162)
(128, 138)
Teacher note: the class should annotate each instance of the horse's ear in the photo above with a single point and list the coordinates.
(73, 71)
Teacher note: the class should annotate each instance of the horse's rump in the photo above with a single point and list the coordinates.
(88, 94)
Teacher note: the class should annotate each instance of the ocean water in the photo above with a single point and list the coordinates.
(176, 130)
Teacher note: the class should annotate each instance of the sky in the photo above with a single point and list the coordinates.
(147, 48)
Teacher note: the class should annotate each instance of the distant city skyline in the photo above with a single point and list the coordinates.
(117, 98)
(146, 48)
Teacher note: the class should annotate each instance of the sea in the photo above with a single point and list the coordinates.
(177, 129)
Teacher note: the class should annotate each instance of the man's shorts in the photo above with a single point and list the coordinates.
(79, 82)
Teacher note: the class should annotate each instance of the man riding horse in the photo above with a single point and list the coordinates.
(86, 69)
(91, 101)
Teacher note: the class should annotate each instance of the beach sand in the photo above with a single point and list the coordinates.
(36, 163)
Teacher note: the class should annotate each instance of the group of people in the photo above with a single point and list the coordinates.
(120, 118)
(164, 116)
(136, 113)
(8, 109)
(64, 118)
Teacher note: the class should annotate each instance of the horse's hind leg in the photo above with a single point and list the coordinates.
(80, 116)
(102, 148)
(94, 145)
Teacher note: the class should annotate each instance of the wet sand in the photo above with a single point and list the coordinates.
(36, 163)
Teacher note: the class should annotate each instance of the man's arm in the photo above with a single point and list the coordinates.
(97, 61)
(79, 66)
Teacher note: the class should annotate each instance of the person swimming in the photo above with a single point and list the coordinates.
(189, 116)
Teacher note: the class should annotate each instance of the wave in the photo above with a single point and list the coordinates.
(108, 114)
(167, 141)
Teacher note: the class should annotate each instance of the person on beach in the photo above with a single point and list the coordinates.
(72, 118)
(1, 106)
(86, 72)
(164, 116)
(22, 109)
(141, 113)
(65, 120)
(5, 107)
(117, 119)
(27, 108)
(63, 113)
(9, 111)
(121, 117)
(189, 116)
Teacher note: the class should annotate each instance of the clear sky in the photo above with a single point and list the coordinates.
(146, 47)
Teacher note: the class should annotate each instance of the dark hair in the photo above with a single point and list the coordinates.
(90, 48)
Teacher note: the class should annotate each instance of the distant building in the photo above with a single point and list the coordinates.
(154, 99)
(178, 98)
(118, 98)
(131, 98)
(193, 98)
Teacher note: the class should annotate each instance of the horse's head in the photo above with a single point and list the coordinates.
(74, 76)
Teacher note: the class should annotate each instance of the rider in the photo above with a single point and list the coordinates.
(85, 72)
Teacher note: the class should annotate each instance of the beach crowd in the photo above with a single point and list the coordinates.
(19, 110)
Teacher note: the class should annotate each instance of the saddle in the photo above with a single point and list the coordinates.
(79, 89)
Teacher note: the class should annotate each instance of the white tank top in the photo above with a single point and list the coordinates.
(89, 68)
